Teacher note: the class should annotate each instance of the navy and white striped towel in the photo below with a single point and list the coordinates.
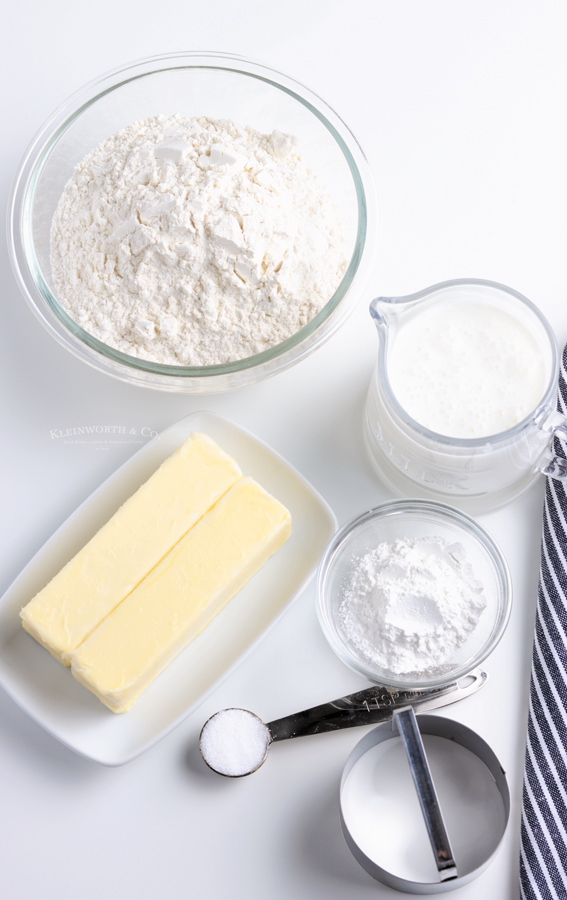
(543, 850)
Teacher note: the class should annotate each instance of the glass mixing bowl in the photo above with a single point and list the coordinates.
(416, 519)
(192, 84)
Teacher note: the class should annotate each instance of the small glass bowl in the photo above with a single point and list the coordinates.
(416, 519)
(192, 84)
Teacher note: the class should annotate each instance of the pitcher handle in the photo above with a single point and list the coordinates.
(551, 465)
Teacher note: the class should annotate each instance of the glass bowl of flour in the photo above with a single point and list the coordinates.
(413, 594)
(193, 222)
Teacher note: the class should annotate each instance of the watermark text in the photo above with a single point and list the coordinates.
(104, 435)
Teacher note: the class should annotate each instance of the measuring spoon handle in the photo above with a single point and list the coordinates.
(369, 707)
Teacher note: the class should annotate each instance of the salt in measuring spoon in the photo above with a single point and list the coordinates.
(235, 742)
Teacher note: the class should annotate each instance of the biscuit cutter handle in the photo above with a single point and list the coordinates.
(406, 723)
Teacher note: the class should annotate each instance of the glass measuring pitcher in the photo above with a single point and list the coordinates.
(476, 473)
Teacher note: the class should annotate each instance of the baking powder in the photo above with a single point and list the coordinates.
(409, 605)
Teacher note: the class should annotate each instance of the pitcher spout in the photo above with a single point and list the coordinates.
(388, 310)
(381, 310)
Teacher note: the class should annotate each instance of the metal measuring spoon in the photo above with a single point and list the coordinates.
(237, 740)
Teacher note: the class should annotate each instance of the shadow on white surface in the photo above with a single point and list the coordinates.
(320, 846)
(34, 747)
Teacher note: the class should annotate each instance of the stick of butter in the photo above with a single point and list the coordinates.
(135, 539)
(181, 596)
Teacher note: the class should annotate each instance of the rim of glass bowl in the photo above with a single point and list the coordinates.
(501, 437)
(45, 305)
(399, 507)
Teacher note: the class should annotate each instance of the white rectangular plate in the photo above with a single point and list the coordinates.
(47, 691)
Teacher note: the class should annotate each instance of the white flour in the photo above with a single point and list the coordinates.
(195, 241)
(409, 605)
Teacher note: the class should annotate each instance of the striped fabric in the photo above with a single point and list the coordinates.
(543, 849)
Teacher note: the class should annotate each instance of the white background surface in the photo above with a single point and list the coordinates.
(461, 110)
